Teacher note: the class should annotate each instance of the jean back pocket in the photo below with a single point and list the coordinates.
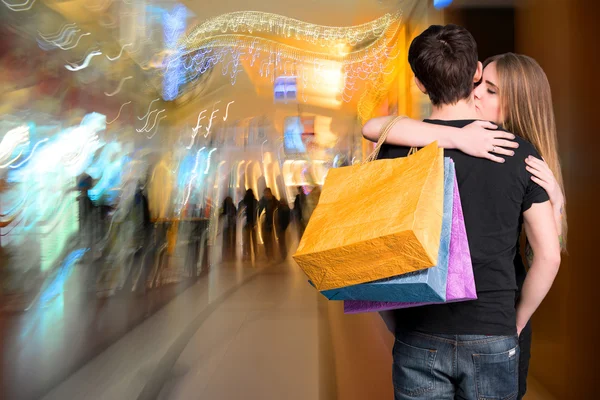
(413, 369)
(497, 375)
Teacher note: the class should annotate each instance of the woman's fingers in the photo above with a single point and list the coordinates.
(504, 135)
(540, 182)
(539, 174)
(535, 161)
(534, 170)
(539, 165)
(503, 151)
(509, 144)
(486, 124)
(492, 157)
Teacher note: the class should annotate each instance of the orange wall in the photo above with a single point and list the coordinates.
(562, 36)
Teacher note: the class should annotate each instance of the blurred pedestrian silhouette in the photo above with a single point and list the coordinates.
(268, 203)
(299, 204)
(228, 214)
(250, 205)
(283, 221)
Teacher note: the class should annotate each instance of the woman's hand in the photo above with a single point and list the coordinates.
(543, 176)
(480, 139)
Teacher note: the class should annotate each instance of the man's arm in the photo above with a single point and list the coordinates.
(540, 229)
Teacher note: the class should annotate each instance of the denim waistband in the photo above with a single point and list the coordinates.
(458, 339)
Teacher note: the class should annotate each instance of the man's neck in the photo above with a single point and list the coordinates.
(464, 109)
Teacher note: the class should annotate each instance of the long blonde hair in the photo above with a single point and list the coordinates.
(526, 107)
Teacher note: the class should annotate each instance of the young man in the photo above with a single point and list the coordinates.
(469, 350)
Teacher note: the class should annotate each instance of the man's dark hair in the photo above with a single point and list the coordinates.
(444, 59)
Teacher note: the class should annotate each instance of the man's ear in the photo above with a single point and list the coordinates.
(420, 85)
(478, 72)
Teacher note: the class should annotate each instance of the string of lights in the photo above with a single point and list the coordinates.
(256, 22)
(234, 40)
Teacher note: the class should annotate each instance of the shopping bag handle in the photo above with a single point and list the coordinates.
(385, 130)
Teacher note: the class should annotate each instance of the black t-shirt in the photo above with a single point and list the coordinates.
(494, 197)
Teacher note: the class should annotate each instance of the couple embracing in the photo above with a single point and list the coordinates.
(510, 181)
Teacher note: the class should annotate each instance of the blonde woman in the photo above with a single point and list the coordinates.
(514, 92)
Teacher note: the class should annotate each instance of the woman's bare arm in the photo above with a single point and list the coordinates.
(478, 139)
(540, 229)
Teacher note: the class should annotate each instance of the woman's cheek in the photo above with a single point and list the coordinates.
(497, 111)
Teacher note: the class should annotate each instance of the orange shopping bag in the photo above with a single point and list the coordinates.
(376, 220)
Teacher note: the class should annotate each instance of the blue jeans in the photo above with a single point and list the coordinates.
(452, 367)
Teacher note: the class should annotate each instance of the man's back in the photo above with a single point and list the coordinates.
(494, 197)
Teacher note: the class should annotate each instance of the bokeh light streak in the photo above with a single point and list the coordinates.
(120, 53)
(54, 36)
(85, 64)
(148, 112)
(119, 114)
(75, 44)
(30, 154)
(148, 129)
(118, 89)
(17, 7)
